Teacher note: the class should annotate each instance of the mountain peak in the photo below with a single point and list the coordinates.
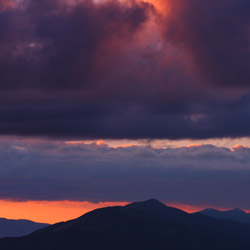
(235, 214)
(141, 225)
(153, 202)
(237, 211)
(209, 210)
(149, 204)
(158, 209)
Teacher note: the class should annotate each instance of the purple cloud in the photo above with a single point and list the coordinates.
(197, 175)
(122, 70)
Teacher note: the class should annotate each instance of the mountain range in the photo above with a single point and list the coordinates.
(234, 214)
(147, 225)
(17, 228)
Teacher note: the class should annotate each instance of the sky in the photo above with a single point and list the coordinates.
(113, 101)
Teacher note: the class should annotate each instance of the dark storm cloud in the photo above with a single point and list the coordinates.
(216, 35)
(122, 70)
(53, 45)
(196, 175)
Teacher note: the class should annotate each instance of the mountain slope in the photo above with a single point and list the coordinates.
(234, 214)
(138, 226)
(16, 228)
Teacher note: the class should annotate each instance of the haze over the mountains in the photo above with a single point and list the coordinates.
(17, 228)
(234, 214)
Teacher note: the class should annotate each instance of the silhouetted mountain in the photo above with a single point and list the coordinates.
(16, 228)
(234, 214)
(156, 208)
(148, 225)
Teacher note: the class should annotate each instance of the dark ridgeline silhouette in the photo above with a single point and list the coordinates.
(17, 228)
(234, 214)
(148, 225)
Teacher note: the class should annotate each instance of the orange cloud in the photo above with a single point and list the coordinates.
(161, 5)
(240, 147)
(190, 146)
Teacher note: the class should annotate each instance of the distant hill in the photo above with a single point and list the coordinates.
(148, 225)
(16, 228)
(234, 214)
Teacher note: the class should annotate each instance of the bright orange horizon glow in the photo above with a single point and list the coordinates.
(56, 211)
(49, 211)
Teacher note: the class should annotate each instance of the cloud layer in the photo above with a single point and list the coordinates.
(111, 69)
(199, 175)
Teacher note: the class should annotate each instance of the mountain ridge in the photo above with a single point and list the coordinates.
(143, 225)
(235, 214)
(18, 228)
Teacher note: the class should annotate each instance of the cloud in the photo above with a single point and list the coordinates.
(216, 36)
(121, 69)
(198, 175)
(6, 5)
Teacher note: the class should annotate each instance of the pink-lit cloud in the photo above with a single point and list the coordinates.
(201, 175)
(125, 69)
